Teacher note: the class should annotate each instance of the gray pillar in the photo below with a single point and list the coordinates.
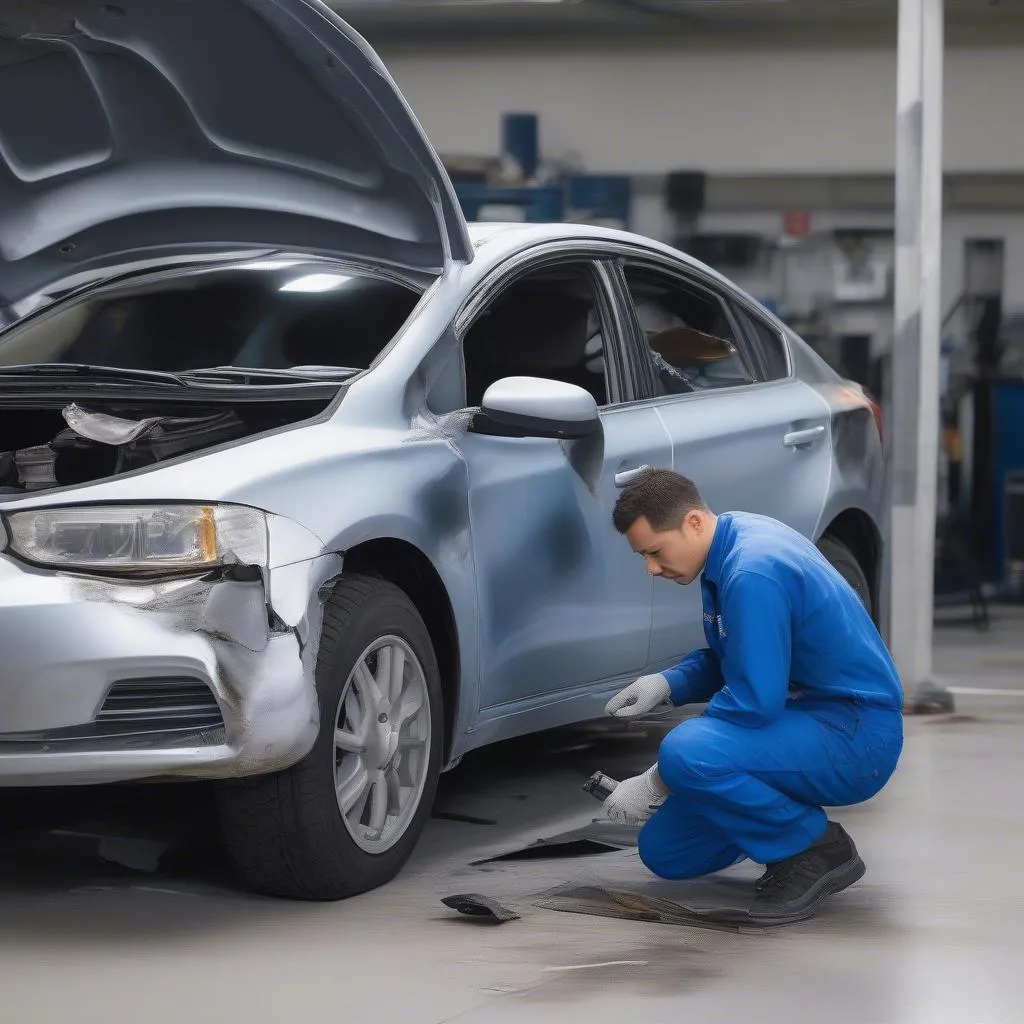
(918, 320)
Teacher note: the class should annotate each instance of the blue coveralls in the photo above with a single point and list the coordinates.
(750, 776)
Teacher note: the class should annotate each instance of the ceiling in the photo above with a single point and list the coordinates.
(968, 22)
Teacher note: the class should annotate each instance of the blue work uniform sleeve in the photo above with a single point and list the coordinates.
(757, 618)
(697, 678)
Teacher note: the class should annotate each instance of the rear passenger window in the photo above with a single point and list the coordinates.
(690, 336)
(769, 343)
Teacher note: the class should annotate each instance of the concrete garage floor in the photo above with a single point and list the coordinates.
(934, 932)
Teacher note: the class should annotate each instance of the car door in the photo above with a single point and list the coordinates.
(563, 602)
(749, 443)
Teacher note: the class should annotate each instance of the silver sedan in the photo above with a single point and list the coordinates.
(307, 484)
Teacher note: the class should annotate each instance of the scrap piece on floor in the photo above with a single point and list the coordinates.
(590, 901)
(568, 905)
(475, 905)
(600, 902)
(600, 836)
(665, 910)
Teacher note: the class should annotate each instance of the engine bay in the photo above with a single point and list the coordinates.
(77, 442)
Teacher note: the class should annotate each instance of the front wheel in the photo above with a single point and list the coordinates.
(347, 817)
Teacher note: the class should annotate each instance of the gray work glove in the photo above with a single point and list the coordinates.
(641, 698)
(635, 800)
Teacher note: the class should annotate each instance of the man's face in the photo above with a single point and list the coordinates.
(677, 555)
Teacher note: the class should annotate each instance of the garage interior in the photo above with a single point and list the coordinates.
(761, 137)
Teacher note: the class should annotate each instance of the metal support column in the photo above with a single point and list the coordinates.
(918, 318)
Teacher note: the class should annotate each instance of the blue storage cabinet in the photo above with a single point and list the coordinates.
(604, 196)
(520, 140)
(536, 205)
(1008, 460)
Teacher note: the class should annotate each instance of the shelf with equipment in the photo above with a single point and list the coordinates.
(519, 185)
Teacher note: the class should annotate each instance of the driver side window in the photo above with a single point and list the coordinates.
(548, 324)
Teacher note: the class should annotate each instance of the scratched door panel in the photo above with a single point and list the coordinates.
(563, 600)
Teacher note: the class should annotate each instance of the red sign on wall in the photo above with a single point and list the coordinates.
(796, 223)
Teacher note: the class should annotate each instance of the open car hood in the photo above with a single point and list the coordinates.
(149, 127)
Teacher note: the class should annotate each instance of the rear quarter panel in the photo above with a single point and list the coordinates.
(858, 471)
(858, 457)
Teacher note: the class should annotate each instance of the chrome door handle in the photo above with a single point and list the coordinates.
(797, 438)
(627, 476)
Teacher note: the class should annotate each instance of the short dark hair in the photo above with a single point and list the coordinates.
(661, 496)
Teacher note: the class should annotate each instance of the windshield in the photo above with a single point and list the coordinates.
(285, 316)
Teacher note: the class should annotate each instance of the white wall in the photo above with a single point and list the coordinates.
(633, 110)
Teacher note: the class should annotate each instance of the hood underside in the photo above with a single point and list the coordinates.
(149, 126)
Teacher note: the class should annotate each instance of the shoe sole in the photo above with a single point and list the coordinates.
(835, 881)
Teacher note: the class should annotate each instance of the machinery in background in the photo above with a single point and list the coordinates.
(520, 185)
(983, 419)
(1013, 516)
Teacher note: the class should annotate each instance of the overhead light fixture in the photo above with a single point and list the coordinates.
(316, 283)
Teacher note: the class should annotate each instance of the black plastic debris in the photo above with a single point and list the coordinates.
(481, 907)
(542, 850)
(131, 852)
(468, 819)
(600, 836)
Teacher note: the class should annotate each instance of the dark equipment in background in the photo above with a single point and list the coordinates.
(855, 353)
(733, 250)
(1013, 517)
(685, 196)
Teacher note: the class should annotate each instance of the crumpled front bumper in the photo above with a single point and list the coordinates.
(66, 641)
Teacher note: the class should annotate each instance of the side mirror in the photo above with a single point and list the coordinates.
(537, 407)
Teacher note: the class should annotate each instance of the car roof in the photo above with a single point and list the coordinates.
(494, 240)
(483, 233)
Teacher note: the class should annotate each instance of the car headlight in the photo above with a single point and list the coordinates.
(140, 538)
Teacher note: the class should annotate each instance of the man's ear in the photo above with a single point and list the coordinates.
(695, 521)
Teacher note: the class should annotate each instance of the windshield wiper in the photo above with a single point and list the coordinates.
(254, 375)
(86, 371)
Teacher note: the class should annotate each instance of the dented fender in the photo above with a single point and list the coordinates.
(254, 641)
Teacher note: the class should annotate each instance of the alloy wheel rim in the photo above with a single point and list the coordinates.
(382, 733)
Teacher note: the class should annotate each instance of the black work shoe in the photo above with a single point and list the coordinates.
(794, 889)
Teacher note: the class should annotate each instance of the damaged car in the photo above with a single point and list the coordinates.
(306, 484)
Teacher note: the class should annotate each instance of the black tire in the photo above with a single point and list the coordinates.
(844, 561)
(284, 833)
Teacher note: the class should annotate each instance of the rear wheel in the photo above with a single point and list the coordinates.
(844, 561)
(348, 816)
